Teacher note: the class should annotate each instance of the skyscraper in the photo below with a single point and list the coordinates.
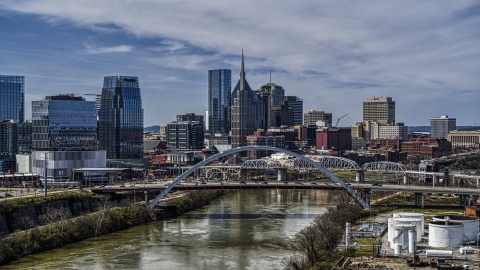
(121, 118)
(440, 127)
(12, 98)
(297, 105)
(64, 123)
(277, 93)
(242, 111)
(379, 109)
(219, 95)
(311, 117)
(64, 135)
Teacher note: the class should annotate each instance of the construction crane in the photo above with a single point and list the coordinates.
(340, 119)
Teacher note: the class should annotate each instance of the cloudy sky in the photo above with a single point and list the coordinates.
(333, 54)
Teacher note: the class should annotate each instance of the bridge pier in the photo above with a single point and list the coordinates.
(435, 178)
(465, 200)
(405, 180)
(281, 175)
(360, 176)
(420, 200)
(453, 180)
(146, 197)
(478, 183)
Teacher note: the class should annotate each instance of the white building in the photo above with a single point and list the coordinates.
(398, 131)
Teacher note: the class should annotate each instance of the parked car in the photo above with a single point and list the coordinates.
(265, 182)
(285, 183)
(313, 183)
(299, 183)
(8, 195)
(243, 182)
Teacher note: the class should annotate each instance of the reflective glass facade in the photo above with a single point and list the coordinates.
(219, 95)
(12, 98)
(121, 118)
(64, 123)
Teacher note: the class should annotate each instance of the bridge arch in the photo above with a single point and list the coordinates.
(384, 166)
(314, 164)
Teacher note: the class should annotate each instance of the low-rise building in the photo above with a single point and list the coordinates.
(464, 138)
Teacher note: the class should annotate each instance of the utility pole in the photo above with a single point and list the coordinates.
(45, 185)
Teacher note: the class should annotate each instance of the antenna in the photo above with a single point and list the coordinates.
(270, 76)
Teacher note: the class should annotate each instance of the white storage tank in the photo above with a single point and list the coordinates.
(439, 253)
(445, 234)
(470, 224)
(412, 239)
(401, 230)
(412, 215)
(398, 250)
(395, 221)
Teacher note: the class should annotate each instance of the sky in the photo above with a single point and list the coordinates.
(332, 54)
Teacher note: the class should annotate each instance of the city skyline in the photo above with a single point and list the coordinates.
(423, 55)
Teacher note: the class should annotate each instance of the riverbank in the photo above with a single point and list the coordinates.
(59, 227)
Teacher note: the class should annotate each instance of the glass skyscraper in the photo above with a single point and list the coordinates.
(121, 118)
(12, 98)
(219, 96)
(64, 123)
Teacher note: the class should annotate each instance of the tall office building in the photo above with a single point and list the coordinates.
(190, 117)
(64, 122)
(379, 109)
(282, 116)
(121, 118)
(311, 117)
(12, 98)
(440, 127)
(277, 93)
(64, 135)
(185, 135)
(297, 105)
(219, 96)
(15, 138)
(242, 111)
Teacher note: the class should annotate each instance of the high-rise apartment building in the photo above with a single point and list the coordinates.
(311, 117)
(64, 136)
(121, 118)
(12, 98)
(397, 131)
(440, 127)
(297, 105)
(242, 111)
(219, 100)
(379, 109)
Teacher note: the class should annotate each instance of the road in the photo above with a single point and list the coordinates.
(290, 185)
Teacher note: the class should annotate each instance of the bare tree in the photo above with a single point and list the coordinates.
(104, 206)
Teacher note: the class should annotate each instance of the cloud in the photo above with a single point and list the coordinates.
(404, 49)
(114, 49)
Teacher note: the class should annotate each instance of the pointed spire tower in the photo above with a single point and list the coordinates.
(242, 110)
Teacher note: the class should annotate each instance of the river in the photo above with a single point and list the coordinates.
(249, 229)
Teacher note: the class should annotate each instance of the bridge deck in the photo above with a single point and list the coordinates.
(270, 185)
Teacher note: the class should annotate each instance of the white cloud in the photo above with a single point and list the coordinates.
(114, 49)
(329, 52)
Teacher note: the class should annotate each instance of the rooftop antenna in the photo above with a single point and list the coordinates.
(270, 76)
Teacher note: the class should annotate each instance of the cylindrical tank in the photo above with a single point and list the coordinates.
(395, 221)
(470, 224)
(412, 239)
(445, 234)
(439, 253)
(398, 249)
(401, 235)
(413, 215)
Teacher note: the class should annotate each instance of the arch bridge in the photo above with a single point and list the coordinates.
(300, 158)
